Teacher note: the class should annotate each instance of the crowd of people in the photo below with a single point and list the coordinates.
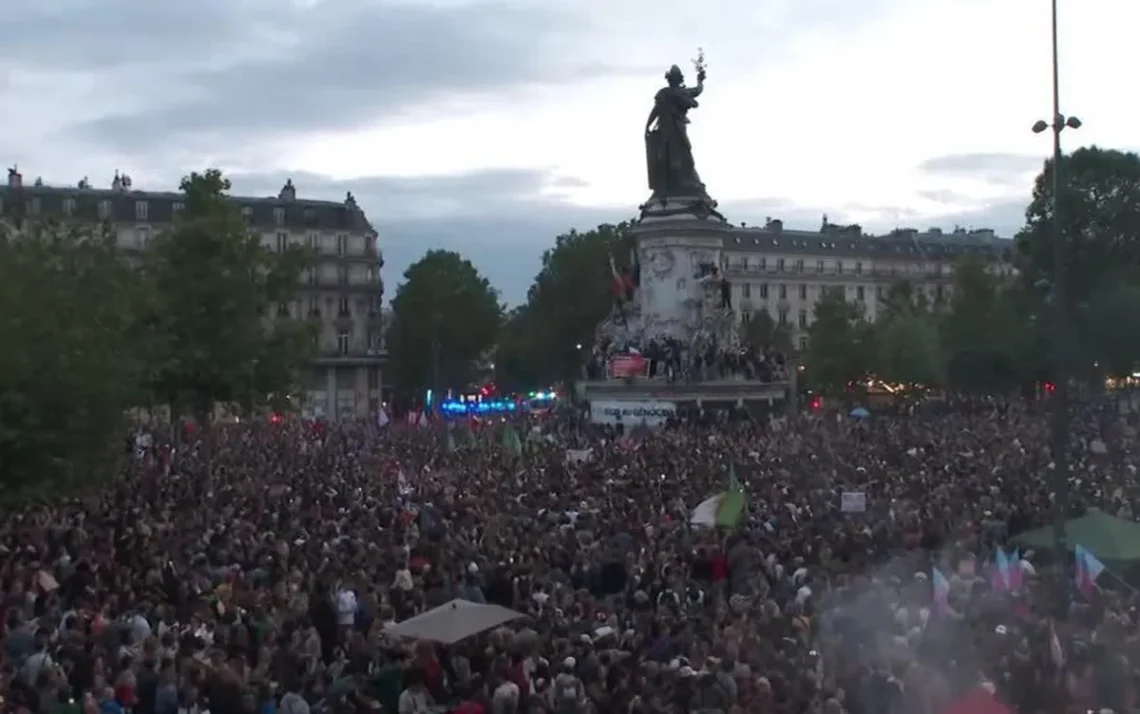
(675, 361)
(260, 568)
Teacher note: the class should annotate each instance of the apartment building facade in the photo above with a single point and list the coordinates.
(785, 272)
(341, 290)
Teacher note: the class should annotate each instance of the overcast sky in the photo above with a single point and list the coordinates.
(490, 126)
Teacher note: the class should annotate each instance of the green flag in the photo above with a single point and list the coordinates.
(511, 442)
(733, 482)
(731, 504)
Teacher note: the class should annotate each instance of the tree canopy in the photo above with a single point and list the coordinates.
(68, 364)
(445, 320)
(543, 339)
(213, 288)
(840, 344)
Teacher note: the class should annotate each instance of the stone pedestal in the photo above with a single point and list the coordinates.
(679, 240)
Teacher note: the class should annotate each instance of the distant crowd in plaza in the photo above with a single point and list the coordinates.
(277, 568)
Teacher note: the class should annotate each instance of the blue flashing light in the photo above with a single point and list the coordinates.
(492, 406)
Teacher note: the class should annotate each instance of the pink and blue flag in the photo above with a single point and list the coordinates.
(1089, 569)
(941, 592)
(999, 578)
(1015, 574)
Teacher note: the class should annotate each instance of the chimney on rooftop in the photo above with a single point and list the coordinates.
(15, 178)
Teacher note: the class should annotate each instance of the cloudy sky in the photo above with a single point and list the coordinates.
(490, 126)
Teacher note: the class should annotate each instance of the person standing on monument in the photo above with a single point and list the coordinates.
(672, 172)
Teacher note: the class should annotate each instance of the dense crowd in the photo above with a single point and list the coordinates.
(259, 568)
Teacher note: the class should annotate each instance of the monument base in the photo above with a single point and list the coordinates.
(658, 396)
(671, 208)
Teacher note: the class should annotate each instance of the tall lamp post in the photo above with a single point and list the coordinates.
(1061, 323)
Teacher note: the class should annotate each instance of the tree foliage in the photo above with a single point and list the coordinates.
(760, 330)
(213, 287)
(1100, 214)
(570, 296)
(445, 320)
(907, 344)
(840, 344)
(68, 365)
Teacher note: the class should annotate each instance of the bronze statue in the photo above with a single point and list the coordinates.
(672, 173)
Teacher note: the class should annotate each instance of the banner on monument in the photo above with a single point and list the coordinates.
(628, 365)
(632, 413)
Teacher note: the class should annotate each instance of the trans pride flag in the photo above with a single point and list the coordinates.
(1089, 569)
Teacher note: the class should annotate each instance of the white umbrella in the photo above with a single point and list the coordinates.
(453, 621)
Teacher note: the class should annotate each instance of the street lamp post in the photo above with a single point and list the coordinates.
(1060, 423)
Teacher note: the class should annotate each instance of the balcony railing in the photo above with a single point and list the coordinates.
(807, 272)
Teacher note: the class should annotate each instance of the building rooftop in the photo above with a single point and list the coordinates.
(120, 205)
(851, 241)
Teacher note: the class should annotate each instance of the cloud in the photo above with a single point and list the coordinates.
(337, 65)
(996, 169)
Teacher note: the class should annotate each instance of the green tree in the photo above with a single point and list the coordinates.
(1100, 212)
(840, 344)
(68, 366)
(1109, 331)
(986, 336)
(214, 289)
(569, 297)
(908, 347)
(445, 320)
(760, 330)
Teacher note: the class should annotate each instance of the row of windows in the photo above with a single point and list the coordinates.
(343, 306)
(820, 266)
(802, 290)
(342, 276)
(313, 242)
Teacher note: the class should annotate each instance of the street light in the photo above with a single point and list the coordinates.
(1059, 436)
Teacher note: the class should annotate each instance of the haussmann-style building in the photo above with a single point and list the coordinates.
(342, 289)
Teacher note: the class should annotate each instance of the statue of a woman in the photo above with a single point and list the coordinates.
(672, 173)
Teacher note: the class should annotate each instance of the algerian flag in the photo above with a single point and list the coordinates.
(722, 510)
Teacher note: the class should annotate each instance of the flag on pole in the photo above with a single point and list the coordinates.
(383, 419)
(1055, 652)
(1016, 574)
(511, 442)
(1089, 569)
(941, 592)
(1000, 577)
(723, 510)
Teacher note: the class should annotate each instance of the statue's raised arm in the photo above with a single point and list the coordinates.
(669, 155)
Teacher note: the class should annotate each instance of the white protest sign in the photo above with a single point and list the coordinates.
(853, 502)
(579, 456)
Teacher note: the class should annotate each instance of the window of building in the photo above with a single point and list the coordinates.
(858, 268)
(744, 263)
(802, 319)
(373, 376)
(803, 343)
(247, 213)
(342, 245)
(938, 292)
(283, 309)
(799, 265)
(746, 318)
(879, 292)
(839, 267)
(282, 242)
(279, 216)
(34, 206)
(69, 206)
(763, 264)
(803, 292)
(342, 274)
(780, 264)
(142, 237)
(819, 266)
(142, 209)
(764, 290)
(783, 292)
(178, 207)
(783, 318)
(313, 241)
(860, 294)
(104, 210)
(746, 290)
(342, 307)
(311, 276)
(343, 342)
(314, 306)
